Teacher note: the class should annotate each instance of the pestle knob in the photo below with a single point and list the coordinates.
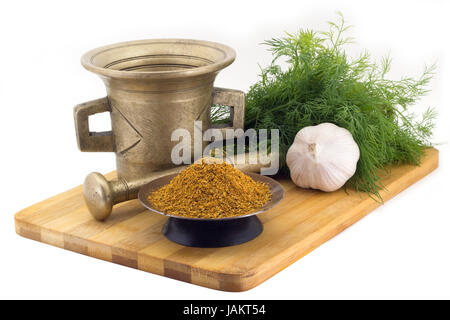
(98, 195)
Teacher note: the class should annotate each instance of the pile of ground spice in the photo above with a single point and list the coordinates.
(211, 190)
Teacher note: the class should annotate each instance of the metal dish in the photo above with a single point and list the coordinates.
(212, 233)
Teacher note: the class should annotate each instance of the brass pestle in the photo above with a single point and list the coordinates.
(101, 195)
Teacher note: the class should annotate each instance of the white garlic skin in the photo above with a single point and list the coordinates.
(322, 157)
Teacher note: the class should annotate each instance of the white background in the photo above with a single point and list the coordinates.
(400, 250)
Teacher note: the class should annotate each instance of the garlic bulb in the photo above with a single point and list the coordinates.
(322, 157)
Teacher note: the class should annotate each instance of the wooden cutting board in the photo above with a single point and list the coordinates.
(132, 235)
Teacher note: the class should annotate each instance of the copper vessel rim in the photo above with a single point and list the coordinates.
(226, 60)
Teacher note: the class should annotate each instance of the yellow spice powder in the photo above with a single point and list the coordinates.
(211, 190)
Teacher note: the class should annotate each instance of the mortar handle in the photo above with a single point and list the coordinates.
(87, 140)
(235, 99)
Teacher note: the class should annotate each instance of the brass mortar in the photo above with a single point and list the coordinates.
(153, 87)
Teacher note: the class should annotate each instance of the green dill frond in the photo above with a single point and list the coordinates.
(323, 84)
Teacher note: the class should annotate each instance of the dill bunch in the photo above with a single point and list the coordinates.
(323, 84)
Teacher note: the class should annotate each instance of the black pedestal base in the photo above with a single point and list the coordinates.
(212, 233)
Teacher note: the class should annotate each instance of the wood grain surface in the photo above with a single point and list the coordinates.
(132, 235)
